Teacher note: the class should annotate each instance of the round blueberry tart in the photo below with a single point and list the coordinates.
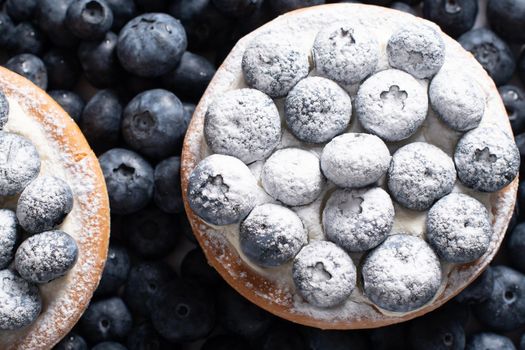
(349, 167)
(54, 218)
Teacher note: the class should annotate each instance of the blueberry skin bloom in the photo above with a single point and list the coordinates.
(70, 102)
(153, 123)
(504, 310)
(129, 179)
(151, 44)
(106, 319)
(89, 19)
(491, 52)
(507, 18)
(487, 340)
(46, 256)
(454, 17)
(514, 100)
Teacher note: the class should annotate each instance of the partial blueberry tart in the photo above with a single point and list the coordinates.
(54, 218)
(349, 167)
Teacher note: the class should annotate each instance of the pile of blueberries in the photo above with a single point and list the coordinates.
(130, 72)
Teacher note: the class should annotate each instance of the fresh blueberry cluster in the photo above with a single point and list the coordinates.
(33, 249)
(400, 272)
(94, 74)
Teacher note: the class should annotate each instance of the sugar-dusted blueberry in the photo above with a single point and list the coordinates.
(282, 6)
(183, 311)
(420, 174)
(453, 17)
(459, 228)
(21, 301)
(416, 49)
(191, 76)
(491, 52)
(504, 310)
(222, 190)
(486, 159)
(72, 341)
(506, 19)
(317, 109)
(355, 160)
(99, 60)
(516, 247)
(9, 237)
(391, 104)
(29, 66)
(151, 44)
(115, 271)
(402, 274)
(293, 176)
(129, 179)
(101, 119)
(274, 66)
(272, 235)
(89, 19)
(4, 110)
(44, 204)
(457, 99)
(489, 341)
(168, 192)
(63, 69)
(51, 16)
(479, 290)
(243, 123)
(46, 256)
(19, 164)
(514, 100)
(345, 53)
(106, 319)
(153, 123)
(358, 220)
(72, 103)
(324, 274)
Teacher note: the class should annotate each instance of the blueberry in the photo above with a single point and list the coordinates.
(44, 204)
(520, 143)
(504, 310)
(21, 301)
(182, 311)
(521, 67)
(454, 17)
(4, 110)
(404, 7)
(29, 66)
(26, 38)
(437, 331)
(222, 190)
(151, 44)
(9, 237)
(239, 316)
(72, 341)
(225, 342)
(274, 66)
(282, 336)
(123, 11)
(99, 60)
(51, 16)
(70, 102)
(195, 266)
(189, 109)
(20, 167)
(191, 76)
(129, 179)
(145, 337)
(272, 235)
(506, 19)
(516, 246)
(153, 123)
(152, 5)
(324, 274)
(107, 319)
(101, 119)
(489, 341)
(168, 192)
(318, 339)
(514, 100)
(63, 69)
(152, 233)
(109, 345)
(144, 280)
(6, 30)
(115, 271)
(89, 19)
(391, 337)
(282, 6)
(479, 290)
(21, 10)
(491, 52)
(237, 8)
